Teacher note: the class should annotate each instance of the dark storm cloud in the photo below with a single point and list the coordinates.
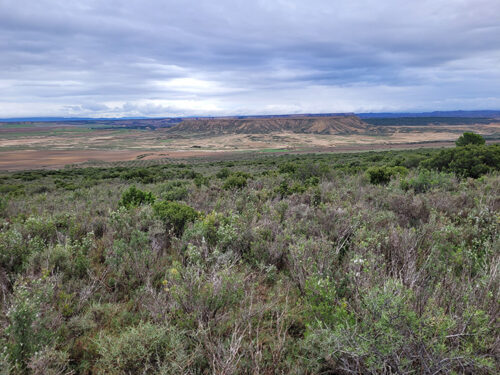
(113, 58)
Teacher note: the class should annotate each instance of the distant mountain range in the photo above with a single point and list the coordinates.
(66, 119)
(477, 114)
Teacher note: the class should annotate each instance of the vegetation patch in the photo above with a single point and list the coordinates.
(357, 263)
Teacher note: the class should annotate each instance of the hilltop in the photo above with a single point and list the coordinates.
(338, 124)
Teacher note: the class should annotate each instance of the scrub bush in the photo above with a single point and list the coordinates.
(175, 215)
(146, 349)
(235, 181)
(382, 175)
(133, 197)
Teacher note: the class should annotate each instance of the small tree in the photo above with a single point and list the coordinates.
(469, 138)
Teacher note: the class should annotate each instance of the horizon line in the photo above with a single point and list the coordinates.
(410, 114)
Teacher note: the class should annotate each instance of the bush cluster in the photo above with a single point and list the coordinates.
(467, 161)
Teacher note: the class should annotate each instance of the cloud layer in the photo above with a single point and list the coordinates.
(219, 57)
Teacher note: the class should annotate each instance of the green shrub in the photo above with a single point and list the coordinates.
(41, 227)
(389, 335)
(413, 161)
(202, 297)
(223, 173)
(288, 167)
(426, 180)
(30, 324)
(144, 349)
(143, 175)
(323, 305)
(21, 318)
(234, 182)
(134, 197)
(174, 191)
(200, 180)
(50, 361)
(382, 175)
(61, 184)
(309, 171)
(469, 161)
(469, 138)
(15, 251)
(3, 205)
(284, 189)
(215, 230)
(175, 214)
(14, 190)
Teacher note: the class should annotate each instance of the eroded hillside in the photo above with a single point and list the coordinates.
(260, 125)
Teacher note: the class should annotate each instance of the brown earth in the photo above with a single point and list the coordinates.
(317, 125)
(35, 159)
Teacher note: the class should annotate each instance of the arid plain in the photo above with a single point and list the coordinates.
(33, 145)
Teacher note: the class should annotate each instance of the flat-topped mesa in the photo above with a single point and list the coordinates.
(345, 124)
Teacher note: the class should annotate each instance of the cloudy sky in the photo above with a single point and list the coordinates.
(219, 57)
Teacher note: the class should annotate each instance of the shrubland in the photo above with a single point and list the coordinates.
(376, 263)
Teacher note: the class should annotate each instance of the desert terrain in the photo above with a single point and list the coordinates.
(32, 145)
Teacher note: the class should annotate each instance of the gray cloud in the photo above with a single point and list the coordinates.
(162, 58)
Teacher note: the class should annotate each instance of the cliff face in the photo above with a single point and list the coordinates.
(260, 125)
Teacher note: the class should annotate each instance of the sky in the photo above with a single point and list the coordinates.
(161, 58)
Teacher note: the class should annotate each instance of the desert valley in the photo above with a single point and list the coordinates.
(37, 144)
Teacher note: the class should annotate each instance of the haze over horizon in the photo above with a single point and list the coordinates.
(214, 58)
